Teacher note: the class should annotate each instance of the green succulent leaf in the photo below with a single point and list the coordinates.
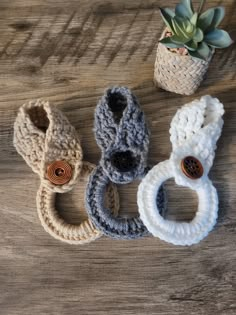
(170, 12)
(195, 54)
(194, 18)
(205, 19)
(201, 5)
(188, 5)
(198, 36)
(191, 45)
(168, 43)
(218, 39)
(204, 50)
(180, 26)
(182, 11)
(179, 40)
(218, 16)
(190, 28)
(167, 18)
(211, 18)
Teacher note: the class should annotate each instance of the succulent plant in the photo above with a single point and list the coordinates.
(195, 31)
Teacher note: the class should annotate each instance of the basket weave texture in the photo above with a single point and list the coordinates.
(178, 74)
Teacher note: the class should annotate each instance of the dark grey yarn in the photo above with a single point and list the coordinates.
(103, 219)
(130, 134)
(122, 134)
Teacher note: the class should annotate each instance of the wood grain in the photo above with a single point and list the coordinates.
(68, 52)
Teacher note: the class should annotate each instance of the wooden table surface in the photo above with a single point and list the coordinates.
(68, 52)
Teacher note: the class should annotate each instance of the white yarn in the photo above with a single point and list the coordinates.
(194, 131)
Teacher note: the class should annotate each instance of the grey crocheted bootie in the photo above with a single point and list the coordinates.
(122, 135)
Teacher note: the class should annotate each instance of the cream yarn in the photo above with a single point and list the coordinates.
(42, 135)
(57, 227)
(194, 131)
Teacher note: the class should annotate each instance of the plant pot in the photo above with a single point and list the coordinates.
(176, 73)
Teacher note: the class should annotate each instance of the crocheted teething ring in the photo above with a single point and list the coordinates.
(121, 133)
(47, 141)
(194, 131)
(57, 227)
(116, 227)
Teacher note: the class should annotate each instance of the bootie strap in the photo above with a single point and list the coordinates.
(43, 136)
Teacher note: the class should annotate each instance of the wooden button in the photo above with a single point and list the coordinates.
(59, 172)
(192, 167)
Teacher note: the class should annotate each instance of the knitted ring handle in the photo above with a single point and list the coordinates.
(102, 217)
(63, 231)
(177, 233)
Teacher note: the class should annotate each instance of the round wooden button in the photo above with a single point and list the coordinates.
(59, 172)
(192, 167)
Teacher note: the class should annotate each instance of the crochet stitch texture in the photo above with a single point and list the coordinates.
(194, 131)
(120, 127)
(42, 135)
(123, 136)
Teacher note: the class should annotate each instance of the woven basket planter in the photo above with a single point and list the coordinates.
(176, 73)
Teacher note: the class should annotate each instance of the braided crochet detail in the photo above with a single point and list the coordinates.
(194, 131)
(43, 135)
(122, 135)
(129, 133)
(83, 233)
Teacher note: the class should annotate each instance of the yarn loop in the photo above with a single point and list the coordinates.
(49, 144)
(194, 132)
(124, 144)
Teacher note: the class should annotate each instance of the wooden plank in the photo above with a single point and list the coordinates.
(68, 53)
